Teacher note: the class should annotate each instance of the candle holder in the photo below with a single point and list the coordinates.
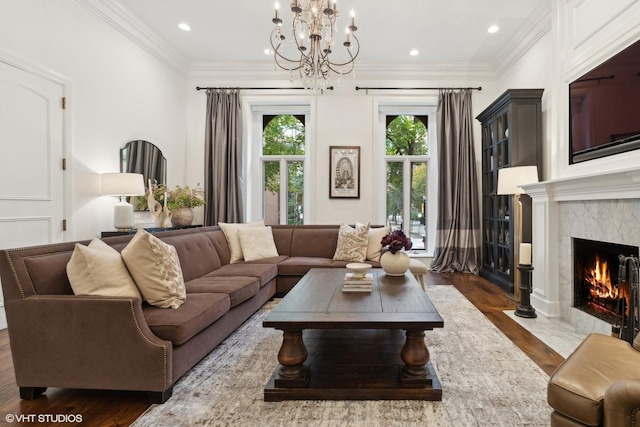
(524, 309)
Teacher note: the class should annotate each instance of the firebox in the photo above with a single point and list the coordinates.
(597, 290)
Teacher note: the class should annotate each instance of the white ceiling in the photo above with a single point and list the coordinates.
(446, 32)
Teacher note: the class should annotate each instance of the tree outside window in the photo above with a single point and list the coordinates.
(283, 150)
(407, 158)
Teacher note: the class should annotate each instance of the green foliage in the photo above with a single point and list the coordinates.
(282, 136)
(185, 197)
(406, 136)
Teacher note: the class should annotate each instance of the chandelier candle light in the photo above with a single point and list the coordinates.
(313, 35)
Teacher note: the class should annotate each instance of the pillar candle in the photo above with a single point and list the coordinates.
(525, 253)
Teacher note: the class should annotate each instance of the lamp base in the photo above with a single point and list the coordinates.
(123, 215)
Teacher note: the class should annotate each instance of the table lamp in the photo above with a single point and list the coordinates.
(510, 181)
(123, 185)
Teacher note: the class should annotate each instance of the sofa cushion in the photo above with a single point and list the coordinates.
(155, 267)
(257, 243)
(352, 243)
(197, 254)
(238, 288)
(231, 234)
(98, 269)
(299, 266)
(264, 272)
(314, 241)
(197, 313)
(576, 389)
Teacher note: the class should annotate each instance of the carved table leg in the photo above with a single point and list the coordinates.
(415, 355)
(292, 354)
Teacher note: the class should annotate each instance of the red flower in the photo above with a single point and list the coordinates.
(395, 241)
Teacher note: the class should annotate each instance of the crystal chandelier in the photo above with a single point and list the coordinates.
(314, 34)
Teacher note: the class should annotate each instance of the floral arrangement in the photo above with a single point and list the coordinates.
(396, 241)
(185, 197)
(179, 197)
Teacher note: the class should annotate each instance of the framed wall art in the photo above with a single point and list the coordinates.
(344, 172)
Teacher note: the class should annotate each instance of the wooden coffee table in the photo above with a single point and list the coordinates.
(356, 345)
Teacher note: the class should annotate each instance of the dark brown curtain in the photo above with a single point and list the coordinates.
(224, 182)
(458, 224)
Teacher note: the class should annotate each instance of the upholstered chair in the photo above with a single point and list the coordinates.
(598, 384)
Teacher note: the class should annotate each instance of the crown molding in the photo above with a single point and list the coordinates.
(527, 37)
(124, 21)
(265, 71)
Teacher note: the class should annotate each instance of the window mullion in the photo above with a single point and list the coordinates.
(284, 190)
(406, 195)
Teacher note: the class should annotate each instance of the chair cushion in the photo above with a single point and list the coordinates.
(238, 288)
(181, 324)
(576, 389)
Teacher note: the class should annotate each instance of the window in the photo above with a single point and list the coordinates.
(407, 162)
(282, 163)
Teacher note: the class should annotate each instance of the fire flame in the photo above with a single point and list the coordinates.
(600, 279)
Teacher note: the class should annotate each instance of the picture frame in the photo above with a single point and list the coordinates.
(344, 172)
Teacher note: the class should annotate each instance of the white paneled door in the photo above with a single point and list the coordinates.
(31, 153)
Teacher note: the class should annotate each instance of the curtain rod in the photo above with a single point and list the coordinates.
(258, 88)
(416, 88)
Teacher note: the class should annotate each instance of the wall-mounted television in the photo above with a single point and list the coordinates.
(604, 107)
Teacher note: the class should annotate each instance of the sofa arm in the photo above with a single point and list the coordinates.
(622, 404)
(93, 342)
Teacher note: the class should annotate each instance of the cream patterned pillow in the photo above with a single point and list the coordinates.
(98, 269)
(352, 243)
(374, 249)
(155, 267)
(257, 243)
(230, 231)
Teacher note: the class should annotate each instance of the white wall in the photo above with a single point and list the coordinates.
(118, 93)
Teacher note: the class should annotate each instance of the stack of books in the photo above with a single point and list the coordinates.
(357, 284)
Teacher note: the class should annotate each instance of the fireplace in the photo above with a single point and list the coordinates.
(597, 290)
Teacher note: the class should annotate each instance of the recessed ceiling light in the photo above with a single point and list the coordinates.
(268, 52)
(414, 52)
(184, 26)
(493, 29)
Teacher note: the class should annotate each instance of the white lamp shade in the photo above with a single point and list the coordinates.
(511, 180)
(122, 184)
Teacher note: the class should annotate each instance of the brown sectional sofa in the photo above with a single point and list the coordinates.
(59, 339)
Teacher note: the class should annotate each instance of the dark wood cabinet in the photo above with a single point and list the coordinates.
(511, 136)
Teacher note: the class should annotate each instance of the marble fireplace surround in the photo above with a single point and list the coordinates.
(600, 206)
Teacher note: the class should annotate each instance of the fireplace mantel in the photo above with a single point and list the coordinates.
(601, 206)
(621, 184)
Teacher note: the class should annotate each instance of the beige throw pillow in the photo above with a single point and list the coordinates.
(352, 243)
(230, 231)
(155, 267)
(374, 249)
(257, 243)
(98, 269)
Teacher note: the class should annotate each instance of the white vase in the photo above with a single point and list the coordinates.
(395, 264)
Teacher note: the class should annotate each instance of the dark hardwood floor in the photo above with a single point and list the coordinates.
(113, 408)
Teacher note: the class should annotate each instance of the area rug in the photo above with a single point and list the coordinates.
(486, 381)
